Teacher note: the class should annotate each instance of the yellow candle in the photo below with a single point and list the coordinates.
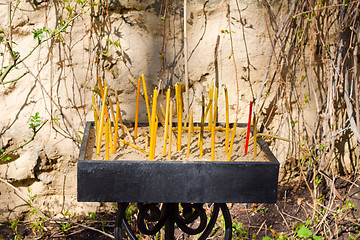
(155, 136)
(137, 108)
(101, 124)
(211, 107)
(111, 110)
(160, 117)
(227, 121)
(133, 146)
(110, 136)
(166, 119)
(213, 127)
(95, 108)
(179, 117)
(110, 126)
(202, 126)
(146, 141)
(118, 108)
(207, 128)
(100, 86)
(201, 117)
(118, 115)
(192, 127)
(213, 142)
(215, 106)
(208, 108)
(189, 134)
(153, 139)
(116, 126)
(242, 132)
(232, 141)
(152, 126)
(146, 98)
(127, 133)
(272, 136)
(107, 140)
(96, 115)
(162, 110)
(170, 125)
(177, 100)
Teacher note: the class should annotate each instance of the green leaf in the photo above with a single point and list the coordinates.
(293, 122)
(117, 44)
(81, 1)
(92, 215)
(319, 3)
(70, 9)
(304, 232)
(315, 237)
(35, 121)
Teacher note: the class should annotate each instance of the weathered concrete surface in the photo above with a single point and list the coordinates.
(62, 73)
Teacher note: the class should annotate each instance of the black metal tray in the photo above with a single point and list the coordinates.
(174, 181)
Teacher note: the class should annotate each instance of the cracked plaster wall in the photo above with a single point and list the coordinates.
(61, 75)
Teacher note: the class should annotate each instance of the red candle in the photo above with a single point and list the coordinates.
(248, 129)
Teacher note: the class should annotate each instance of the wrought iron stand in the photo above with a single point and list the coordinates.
(169, 214)
(180, 187)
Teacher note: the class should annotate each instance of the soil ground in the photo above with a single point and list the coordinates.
(250, 221)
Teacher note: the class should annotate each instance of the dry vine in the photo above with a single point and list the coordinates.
(314, 69)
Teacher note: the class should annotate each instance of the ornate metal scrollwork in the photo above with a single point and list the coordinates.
(151, 214)
(152, 217)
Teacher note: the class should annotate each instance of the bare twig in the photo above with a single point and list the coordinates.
(3, 156)
(258, 98)
(186, 77)
(287, 225)
(234, 62)
(80, 225)
(53, 35)
(261, 226)
(27, 199)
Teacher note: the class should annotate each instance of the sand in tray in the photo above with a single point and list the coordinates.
(125, 152)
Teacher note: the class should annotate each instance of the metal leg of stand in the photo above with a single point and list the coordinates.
(228, 221)
(120, 216)
(120, 221)
(170, 223)
(211, 224)
(168, 218)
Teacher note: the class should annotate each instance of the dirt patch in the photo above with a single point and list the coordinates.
(294, 208)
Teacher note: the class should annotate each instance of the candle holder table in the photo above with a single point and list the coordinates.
(181, 187)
